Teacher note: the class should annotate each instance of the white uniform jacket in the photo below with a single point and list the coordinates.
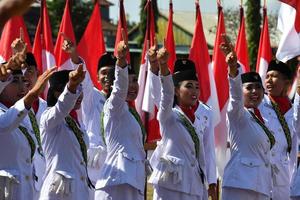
(62, 150)
(125, 160)
(174, 161)
(284, 161)
(92, 106)
(295, 184)
(15, 151)
(249, 166)
(203, 123)
(39, 161)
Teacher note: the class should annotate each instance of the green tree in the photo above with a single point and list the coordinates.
(80, 11)
(143, 21)
(253, 20)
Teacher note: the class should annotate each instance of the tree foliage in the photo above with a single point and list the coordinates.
(143, 21)
(80, 14)
(253, 20)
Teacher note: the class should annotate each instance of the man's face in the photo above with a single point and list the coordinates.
(31, 75)
(102, 74)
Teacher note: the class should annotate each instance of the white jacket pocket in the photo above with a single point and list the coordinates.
(171, 167)
(8, 181)
(62, 183)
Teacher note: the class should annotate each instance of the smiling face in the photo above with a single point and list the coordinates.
(14, 91)
(253, 94)
(187, 93)
(276, 84)
(102, 74)
(133, 87)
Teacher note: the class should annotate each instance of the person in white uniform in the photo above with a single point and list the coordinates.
(123, 173)
(34, 114)
(203, 122)
(63, 141)
(248, 173)
(91, 108)
(295, 183)
(178, 161)
(16, 143)
(277, 111)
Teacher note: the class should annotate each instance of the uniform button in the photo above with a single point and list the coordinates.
(193, 165)
(27, 160)
(251, 163)
(27, 178)
(82, 178)
(82, 162)
(266, 165)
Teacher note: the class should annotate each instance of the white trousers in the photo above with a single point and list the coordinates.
(281, 192)
(230, 193)
(161, 193)
(119, 192)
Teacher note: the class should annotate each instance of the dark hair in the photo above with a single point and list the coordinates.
(107, 59)
(30, 60)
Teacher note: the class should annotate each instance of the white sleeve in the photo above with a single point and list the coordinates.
(118, 95)
(209, 152)
(167, 98)
(155, 88)
(11, 118)
(56, 114)
(235, 107)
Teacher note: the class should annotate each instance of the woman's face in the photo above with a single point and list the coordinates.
(187, 93)
(276, 84)
(253, 94)
(133, 87)
(14, 91)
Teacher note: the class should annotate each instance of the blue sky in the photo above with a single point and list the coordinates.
(210, 6)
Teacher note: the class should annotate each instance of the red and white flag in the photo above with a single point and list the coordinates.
(200, 55)
(11, 31)
(222, 85)
(241, 46)
(122, 24)
(91, 45)
(289, 25)
(264, 50)
(43, 43)
(144, 103)
(62, 58)
(170, 43)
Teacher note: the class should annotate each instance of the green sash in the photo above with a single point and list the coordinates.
(79, 136)
(284, 126)
(266, 130)
(36, 131)
(29, 139)
(190, 128)
(135, 115)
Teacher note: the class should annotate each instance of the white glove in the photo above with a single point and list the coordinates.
(61, 185)
(6, 186)
(95, 156)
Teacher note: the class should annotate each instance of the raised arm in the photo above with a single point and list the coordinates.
(120, 87)
(66, 100)
(236, 102)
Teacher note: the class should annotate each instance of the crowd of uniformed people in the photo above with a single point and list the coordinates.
(80, 143)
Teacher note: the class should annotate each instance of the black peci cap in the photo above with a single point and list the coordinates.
(107, 59)
(251, 77)
(30, 60)
(184, 69)
(276, 65)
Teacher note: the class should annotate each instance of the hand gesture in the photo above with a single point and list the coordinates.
(152, 55)
(163, 55)
(42, 81)
(18, 45)
(230, 54)
(76, 77)
(68, 46)
(122, 47)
